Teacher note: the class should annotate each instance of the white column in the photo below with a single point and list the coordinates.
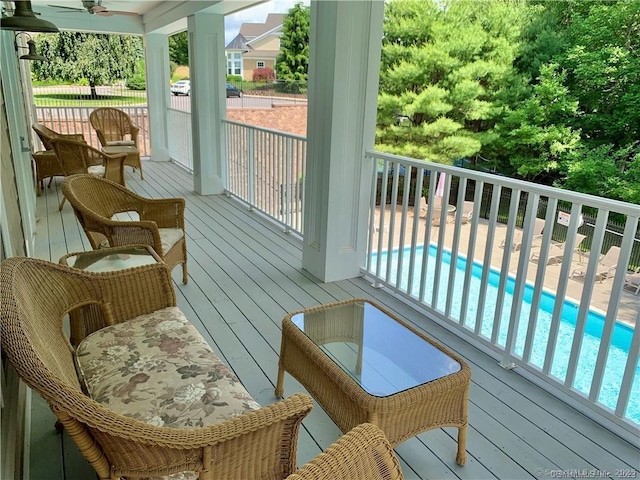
(344, 67)
(157, 65)
(207, 70)
(19, 133)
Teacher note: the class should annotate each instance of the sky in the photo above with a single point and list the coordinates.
(256, 14)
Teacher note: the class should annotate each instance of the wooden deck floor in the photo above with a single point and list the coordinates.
(245, 274)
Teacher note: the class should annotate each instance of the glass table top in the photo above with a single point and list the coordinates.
(110, 261)
(376, 351)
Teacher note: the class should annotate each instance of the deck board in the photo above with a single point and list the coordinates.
(245, 274)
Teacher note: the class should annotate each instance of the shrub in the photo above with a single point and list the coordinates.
(234, 78)
(265, 74)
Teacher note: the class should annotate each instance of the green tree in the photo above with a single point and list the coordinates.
(98, 58)
(537, 136)
(292, 64)
(444, 66)
(179, 48)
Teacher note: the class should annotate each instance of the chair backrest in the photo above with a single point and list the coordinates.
(95, 201)
(361, 454)
(46, 135)
(112, 124)
(74, 157)
(611, 258)
(579, 238)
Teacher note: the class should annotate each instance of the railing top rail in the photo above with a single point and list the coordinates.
(267, 130)
(543, 190)
(178, 110)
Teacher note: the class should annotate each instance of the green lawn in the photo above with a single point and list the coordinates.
(75, 100)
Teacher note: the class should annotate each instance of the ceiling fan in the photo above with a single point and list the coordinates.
(94, 7)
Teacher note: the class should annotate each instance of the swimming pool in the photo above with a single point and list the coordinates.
(620, 342)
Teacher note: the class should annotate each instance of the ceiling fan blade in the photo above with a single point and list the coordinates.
(67, 8)
(117, 12)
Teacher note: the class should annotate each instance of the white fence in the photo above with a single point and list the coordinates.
(76, 120)
(547, 307)
(266, 169)
(180, 141)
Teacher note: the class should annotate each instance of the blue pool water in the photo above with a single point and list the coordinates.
(620, 342)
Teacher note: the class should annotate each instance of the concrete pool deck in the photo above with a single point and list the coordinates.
(629, 304)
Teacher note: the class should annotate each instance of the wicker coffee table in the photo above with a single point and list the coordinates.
(362, 364)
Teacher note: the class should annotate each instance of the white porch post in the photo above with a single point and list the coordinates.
(344, 67)
(157, 64)
(207, 68)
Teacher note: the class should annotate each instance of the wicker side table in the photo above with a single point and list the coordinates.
(47, 166)
(364, 365)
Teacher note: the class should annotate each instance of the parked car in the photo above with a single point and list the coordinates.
(233, 91)
(181, 87)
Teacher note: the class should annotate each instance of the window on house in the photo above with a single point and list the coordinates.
(260, 64)
(234, 64)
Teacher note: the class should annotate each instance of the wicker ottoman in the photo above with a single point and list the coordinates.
(364, 365)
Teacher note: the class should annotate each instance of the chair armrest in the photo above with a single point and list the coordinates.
(363, 453)
(165, 212)
(236, 448)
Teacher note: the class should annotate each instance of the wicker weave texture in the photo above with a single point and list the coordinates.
(77, 156)
(113, 124)
(361, 454)
(439, 403)
(36, 295)
(95, 201)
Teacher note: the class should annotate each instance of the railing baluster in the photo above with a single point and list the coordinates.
(585, 300)
(630, 228)
(506, 258)
(561, 292)
(484, 282)
(473, 233)
(520, 281)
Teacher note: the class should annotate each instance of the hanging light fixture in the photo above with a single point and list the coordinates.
(25, 20)
(33, 53)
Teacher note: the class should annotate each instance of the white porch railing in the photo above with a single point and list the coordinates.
(180, 142)
(520, 303)
(76, 120)
(265, 168)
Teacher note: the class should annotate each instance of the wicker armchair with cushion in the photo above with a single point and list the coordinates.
(96, 201)
(151, 398)
(47, 165)
(115, 127)
(363, 453)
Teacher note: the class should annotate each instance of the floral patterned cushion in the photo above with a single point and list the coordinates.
(158, 369)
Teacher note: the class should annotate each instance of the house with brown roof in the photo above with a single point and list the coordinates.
(256, 46)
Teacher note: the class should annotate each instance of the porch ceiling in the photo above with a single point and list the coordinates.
(154, 16)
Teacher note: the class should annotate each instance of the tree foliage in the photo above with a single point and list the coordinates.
(549, 91)
(98, 58)
(179, 48)
(444, 66)
(292, 64)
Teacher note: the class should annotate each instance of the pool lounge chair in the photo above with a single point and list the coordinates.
(557, 250)
(537, 235)
(632, 281)
(606, 265)
(467, 212)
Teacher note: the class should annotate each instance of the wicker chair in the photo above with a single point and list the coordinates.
(47, 165)
(113, 126)
(95, 201)
(361, 454)
(36, 295)
(79, 157)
